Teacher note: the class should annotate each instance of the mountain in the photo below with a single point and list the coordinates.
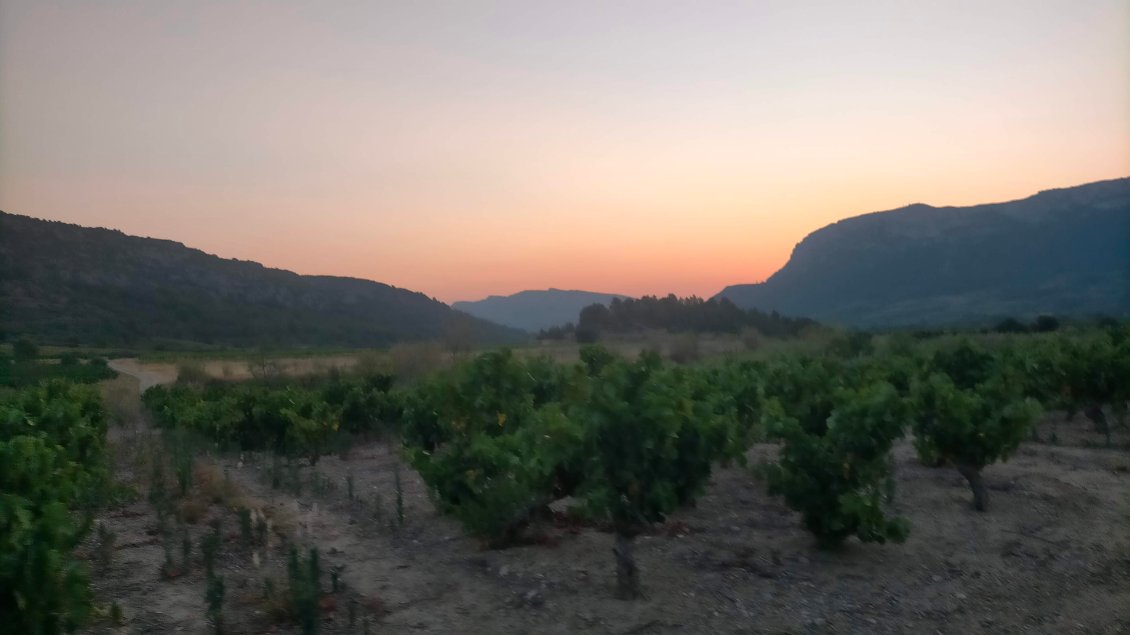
(1062, 252)
(535, 310)
(61, 282)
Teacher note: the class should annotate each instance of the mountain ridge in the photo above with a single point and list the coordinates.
(1063, 251)
(535, 309)
(62, 281)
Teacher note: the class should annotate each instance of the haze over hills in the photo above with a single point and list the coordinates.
(1062, 251)
(61, 282)
(535, 310)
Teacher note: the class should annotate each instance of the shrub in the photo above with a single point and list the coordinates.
(192, 373)
(650, 441)
(53, 472)
(834, 465)
(305, 590)
(214, 596)
(971, 427)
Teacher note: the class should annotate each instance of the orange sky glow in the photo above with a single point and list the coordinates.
(465, 149)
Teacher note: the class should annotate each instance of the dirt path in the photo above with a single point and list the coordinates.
(147, 375)
(132, 578)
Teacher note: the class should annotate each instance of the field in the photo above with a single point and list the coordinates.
(1051, 557)
(1052, 554)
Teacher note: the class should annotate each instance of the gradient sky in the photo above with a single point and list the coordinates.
(468, 148)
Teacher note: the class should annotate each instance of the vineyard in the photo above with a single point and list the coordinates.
(525, 452)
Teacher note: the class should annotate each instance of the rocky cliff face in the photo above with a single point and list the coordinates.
(1064, 252)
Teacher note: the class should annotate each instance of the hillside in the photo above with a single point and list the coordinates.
(535, 310)
(1063, 252)
(61, 282)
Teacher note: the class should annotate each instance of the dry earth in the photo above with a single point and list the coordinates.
(1051, 556)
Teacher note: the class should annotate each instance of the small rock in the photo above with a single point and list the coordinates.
(504, 571)
(588, 618)
(534, 598)
(936, 578)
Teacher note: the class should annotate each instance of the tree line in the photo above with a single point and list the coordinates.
(675, 314)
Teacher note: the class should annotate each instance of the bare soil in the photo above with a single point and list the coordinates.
(1052, 555)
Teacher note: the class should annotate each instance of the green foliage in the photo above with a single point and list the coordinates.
(1096, 373)
(210, 548)
(965, 363)
(834, 465)
(740, 388)
(305, 589)
(24, 350)
(853, 344)
(491, 441)
(494, 483)
(671, 313)
(53, 472)
(651, 435)
(29, 372)
(399, 487)
(291, 420)
(214, 597)
(245, 530)
(971, 427)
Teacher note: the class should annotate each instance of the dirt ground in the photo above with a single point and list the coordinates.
(1051, 556)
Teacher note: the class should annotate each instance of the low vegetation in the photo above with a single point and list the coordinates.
(506, 443)
(53, 475)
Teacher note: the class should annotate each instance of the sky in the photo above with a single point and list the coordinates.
(463, 148)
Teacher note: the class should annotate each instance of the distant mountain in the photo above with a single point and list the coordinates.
(61, 282)
(535, 310)
(1063, 252)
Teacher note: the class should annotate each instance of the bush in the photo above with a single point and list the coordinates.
(651, 438)
(834, 465)
(53, 472)
(491, 442)
(970, 427)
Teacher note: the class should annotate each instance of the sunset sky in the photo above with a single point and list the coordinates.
(469, 148)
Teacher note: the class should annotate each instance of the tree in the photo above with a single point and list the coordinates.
(970, 427)
(593, 319)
